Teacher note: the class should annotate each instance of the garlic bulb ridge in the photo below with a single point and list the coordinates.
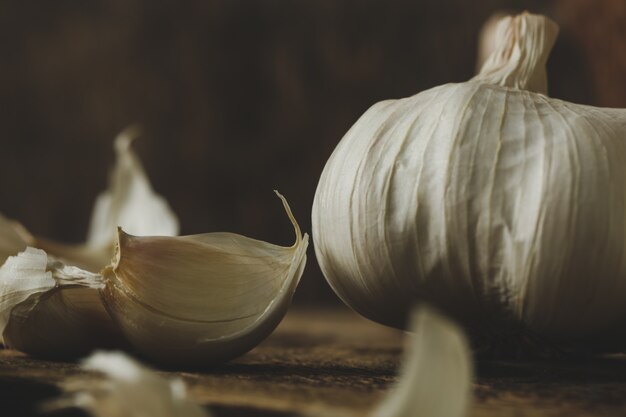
(489, 199)
(203, 298)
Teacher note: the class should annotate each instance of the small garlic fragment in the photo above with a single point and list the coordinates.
(52, 310)
(436, 375)
(201, 299)
(128, 390)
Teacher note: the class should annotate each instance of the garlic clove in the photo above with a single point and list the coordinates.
(128, 389)
(436, 376)
(130, 202)
(201, 299)
(49, 309)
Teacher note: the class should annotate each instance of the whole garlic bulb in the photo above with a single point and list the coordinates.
(487, 198)
(201, 299)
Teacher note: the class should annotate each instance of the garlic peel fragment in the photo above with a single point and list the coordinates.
(130, 201)
(22, 277)
(520, 54)
(436, 375)
(50, 309)
(129, 389)
(201, 299)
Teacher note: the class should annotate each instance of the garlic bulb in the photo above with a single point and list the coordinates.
(52, 310)
(491, 200)
(201, 299)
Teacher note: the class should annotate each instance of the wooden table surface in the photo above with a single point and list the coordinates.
(335, 363)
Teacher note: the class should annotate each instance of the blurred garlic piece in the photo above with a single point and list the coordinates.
(129, 202)
(52, 310)
(128, 390)
(436, 375)
(201, 299)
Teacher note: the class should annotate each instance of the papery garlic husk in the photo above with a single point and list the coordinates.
(52, 310)
(129, 389)
(129, 202)
(202, 299)
(489, 199)
(435, 379)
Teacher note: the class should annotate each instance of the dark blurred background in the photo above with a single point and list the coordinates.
(238, 98)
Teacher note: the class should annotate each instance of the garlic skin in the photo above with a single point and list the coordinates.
(52, 310)
(201, 299)
(436, 374)
(488, 199)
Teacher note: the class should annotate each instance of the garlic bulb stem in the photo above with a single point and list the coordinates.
(519, 59)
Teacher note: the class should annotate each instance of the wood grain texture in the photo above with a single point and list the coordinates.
(333, 362)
